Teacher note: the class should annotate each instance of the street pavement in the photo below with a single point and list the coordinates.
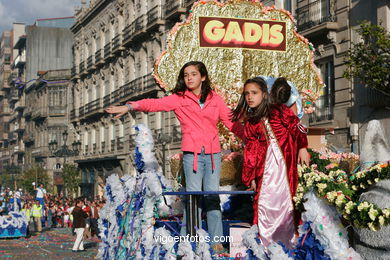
(50, 244)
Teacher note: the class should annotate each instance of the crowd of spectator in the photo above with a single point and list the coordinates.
(54, 211)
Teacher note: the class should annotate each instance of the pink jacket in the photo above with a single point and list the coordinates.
(198, 125)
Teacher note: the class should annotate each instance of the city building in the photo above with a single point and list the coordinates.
(11, 148)
(116, 43)
(37, 49)
(46, 121)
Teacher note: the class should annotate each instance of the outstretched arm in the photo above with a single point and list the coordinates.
(167, 103)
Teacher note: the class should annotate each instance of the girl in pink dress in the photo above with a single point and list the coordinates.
(270, 161)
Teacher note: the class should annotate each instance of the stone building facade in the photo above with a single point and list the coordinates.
(46, 120)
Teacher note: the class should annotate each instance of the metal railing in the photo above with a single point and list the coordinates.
(116, 95)
(315, 13)
(82, 66)
(113, 142)
(72, 114)
(103, 147)
(92, 106)
(81, 111)
(154, 15)
(90, 62)
(107, 100)
(140, 23)
(324, 109)
(98, 56)
(119, 143)
(57, 110)
(107, 50)
(171, 6)
(116, 43)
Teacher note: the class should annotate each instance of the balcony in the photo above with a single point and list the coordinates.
(20, 61)
(117, 44)
(20, 105)
(316, 18)
(99, 58)
(72, 115)
(18, 149)
(11, 78)
(86, 149)
(107, 100)
(119, 143)
(5, 86)
(176, 133)
(135, 30)
(92, 108)
(103, 147)
(116, 95)
(13, 95)
(28, 138)
(81, 111)
(138, 86)
(39, 115)
(107, 51)
(90, 63)
(19, 127)
(189, 3)
(132, 141)
(154, 17)
(27, 113)
(324, 110)
(83, 71)
(74, 73)
(113, 142)
(94, 148)
(128, 32)
(57, 110)
(174, 8)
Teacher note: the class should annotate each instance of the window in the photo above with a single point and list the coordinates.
(325, 103)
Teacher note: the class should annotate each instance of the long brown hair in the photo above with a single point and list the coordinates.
(181, 87)
(280, 91)
(253, 115)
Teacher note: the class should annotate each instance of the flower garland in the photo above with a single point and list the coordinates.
(342, 190)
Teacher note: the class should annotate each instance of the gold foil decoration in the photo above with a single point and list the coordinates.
(229, 68)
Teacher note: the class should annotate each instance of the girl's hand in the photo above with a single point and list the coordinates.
(253, 186)
(303, 156)
(119, 110)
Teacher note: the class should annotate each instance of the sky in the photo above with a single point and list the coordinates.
(27, 11)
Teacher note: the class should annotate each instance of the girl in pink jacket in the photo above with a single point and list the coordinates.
(198, 109)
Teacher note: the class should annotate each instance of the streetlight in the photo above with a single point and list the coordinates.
(64, 151)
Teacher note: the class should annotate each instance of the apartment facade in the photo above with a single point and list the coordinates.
(116, 43)
(36, 49)
(46, 121)
(11, 147)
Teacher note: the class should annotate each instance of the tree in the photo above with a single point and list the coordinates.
(35, 174)
(72, 177)
(11, 177)
(369, 60)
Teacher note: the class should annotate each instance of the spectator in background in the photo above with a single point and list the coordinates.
(94, 220)
(37, 216)
(79, 217)
(41, 196)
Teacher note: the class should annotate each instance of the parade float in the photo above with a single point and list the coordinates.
(238, 40)
(14, 224)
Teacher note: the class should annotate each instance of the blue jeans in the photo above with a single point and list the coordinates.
(207, 179)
